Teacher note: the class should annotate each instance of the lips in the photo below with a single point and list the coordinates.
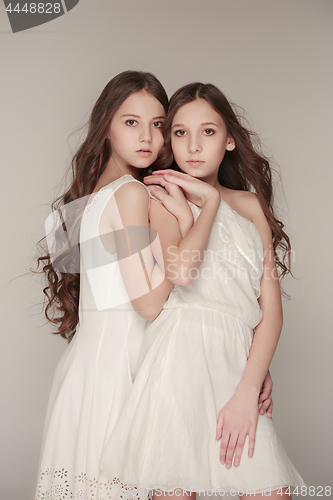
(195, 162)
(144, 152)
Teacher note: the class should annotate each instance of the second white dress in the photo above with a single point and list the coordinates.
(194, 355)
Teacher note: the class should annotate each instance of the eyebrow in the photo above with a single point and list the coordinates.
(202, 124)
(137, 116)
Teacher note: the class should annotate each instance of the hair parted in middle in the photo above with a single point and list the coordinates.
(89, 162)
(245, 168)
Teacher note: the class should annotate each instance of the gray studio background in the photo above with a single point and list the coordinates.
(272, 57)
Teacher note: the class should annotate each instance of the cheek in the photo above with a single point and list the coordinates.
(119, 140)
(176, 147)
(159, 139)
(218, 150)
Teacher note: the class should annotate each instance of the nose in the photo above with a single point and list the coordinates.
(194, 145)
(145, 134)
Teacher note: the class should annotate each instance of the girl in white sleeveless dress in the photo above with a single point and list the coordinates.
(191, 420)
(94, 295)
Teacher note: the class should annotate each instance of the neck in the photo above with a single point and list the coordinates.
(213, 181)
(115, 169)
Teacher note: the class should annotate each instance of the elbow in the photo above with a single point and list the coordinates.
(148, 312)
(276, 322)
(151, 314)
(180, 277)
(182, 281)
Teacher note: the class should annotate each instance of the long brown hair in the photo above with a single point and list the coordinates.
(244, 168)
(89, 162)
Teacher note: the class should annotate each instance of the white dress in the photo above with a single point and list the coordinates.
(197, 349)
(94, 375)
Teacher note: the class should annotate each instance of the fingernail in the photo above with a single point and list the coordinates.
(236, 463)
(228, 466)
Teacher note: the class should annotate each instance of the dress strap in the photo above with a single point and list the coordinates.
(148, 189)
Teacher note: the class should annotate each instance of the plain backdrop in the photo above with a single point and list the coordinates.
(273, 58)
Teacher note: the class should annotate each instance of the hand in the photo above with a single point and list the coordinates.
(237, 419)
(173, 200)
(176, 203)
(196, 191)
(265, 396)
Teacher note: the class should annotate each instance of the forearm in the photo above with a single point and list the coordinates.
(185, 224)
(189, 253)
(150, 305)
(262, 351)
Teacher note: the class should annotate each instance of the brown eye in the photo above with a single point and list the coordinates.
(180, 133)
(158, 124)
(131, 123)
(209, 131)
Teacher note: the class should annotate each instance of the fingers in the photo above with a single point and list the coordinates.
(263, 396)
(265, 405)
(224, 445)
(170, 171)
(155, 180)
(172, 191)
(239, 449)
(158, 193)
(177, 178)
(232, 445)
(269, 410)
(230, 450)
(267, 387)
(252, 437)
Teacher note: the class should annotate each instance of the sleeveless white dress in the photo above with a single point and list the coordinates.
(195, 353)
(94, 375)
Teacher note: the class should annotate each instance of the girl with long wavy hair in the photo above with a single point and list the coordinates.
(191, 420)
(104, 268)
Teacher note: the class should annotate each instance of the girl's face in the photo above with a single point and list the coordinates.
(135, 131)
(199, 140)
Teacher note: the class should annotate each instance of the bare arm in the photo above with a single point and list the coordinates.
(269, 329)
(238, 418)
(188, 254)
(126, 216)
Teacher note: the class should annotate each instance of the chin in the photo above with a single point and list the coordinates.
(193, 172)
(142, 165)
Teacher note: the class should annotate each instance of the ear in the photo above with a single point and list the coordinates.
(231, 143)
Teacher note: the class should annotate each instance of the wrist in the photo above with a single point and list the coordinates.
(213, 198)
(248, 388)
(184, 230)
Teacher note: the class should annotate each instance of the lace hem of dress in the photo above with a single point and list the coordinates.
(55, 485)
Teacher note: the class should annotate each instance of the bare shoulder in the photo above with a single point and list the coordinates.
(251, 205)
(131, 190)
(132, 197)
(247, 204)
(128, 206)
(242, 202)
